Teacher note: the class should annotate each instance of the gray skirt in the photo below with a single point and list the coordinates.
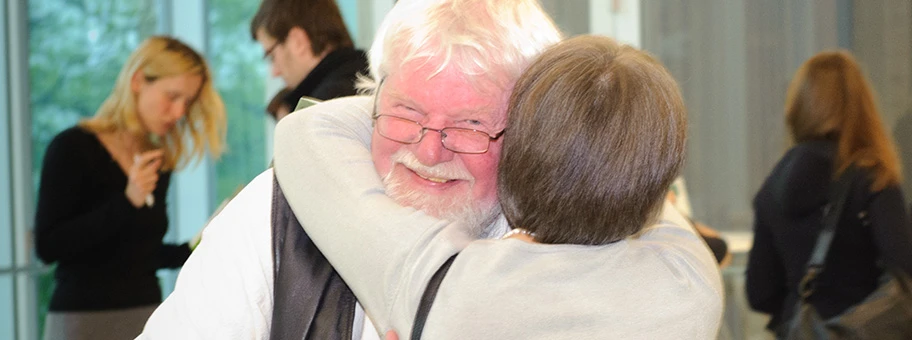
(116, 324)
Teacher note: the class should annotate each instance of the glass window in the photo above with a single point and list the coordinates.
(240, 75)
(76, 49)
(7, 328)
(6, 170)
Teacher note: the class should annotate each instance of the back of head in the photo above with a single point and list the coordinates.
(829, 98)
(596, 134)
(156, 58)
(490, 40)
(321, 19)
(276, 103)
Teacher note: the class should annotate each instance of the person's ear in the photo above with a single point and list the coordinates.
(137, 81)
(298, 41)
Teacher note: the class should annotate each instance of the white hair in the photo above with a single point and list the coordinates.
(493, 39)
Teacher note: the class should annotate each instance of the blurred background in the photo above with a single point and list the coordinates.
(732, 58)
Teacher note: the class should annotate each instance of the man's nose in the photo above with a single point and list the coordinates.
(430, 150)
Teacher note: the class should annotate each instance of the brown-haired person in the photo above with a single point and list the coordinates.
(277, 109)
(307, 45)
(102, 200)
(834, 123)
(595, 135)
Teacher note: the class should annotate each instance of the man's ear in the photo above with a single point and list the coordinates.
(298, 42)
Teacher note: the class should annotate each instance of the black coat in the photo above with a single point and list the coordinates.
(788, 210)
(106, 250)
(333, 77)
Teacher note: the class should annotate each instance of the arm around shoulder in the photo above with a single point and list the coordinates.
(324, 165)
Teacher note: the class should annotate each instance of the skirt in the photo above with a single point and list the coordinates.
(118, 324)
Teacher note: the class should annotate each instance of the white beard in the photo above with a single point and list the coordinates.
(459, 207)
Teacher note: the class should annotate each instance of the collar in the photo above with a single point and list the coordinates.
(332, 61)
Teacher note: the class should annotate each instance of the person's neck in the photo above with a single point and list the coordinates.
(135, 143)
(522, 235)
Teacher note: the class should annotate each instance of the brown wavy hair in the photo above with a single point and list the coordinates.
(829, 98)
(596, 134)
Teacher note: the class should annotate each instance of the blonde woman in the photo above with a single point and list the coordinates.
(833, 120)
(102, 203)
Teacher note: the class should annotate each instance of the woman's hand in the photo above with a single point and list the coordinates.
(143, 176)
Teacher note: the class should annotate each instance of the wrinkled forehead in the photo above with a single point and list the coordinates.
(422, 86)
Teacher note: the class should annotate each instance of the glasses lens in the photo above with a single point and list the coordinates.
(399, 129)
(465, 141)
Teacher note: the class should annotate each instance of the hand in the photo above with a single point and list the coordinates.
(391, 335)
(143, 176)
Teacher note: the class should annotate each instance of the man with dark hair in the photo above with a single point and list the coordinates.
(307, 44)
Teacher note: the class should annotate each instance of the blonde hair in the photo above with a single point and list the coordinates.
(829, 99)
(159, 57)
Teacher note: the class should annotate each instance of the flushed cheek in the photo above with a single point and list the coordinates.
(484, 169)
(382, 150)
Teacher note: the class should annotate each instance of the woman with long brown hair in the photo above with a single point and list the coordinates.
(102, 203)
(834, 123)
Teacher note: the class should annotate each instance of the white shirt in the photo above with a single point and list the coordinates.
(224, 290)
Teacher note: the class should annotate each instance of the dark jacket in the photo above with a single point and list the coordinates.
(311, 299)
(333, 77)
(106, 250)
(788, 210)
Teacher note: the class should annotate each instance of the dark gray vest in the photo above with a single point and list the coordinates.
(310, 299)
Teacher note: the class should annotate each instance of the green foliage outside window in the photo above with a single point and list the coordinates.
(239, 73)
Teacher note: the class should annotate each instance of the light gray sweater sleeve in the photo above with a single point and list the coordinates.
(382, 250)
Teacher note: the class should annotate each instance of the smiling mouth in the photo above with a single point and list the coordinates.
(434, 179)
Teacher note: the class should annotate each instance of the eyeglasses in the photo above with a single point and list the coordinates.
(455, 139)
(268, 54)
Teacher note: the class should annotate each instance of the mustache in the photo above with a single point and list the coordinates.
(449, 170)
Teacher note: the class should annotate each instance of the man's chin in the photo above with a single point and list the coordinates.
(453, 204)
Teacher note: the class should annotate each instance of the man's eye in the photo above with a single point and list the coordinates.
(473, 122)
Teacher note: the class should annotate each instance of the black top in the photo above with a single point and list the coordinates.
(333, 77)
(107, 251)
(788, 217)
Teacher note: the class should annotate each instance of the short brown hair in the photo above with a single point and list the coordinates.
(321, 19)
(595, 135)
(830, 99)
(277, 101)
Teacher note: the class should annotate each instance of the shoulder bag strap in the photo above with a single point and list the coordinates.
(427, 299)
(837, 196)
